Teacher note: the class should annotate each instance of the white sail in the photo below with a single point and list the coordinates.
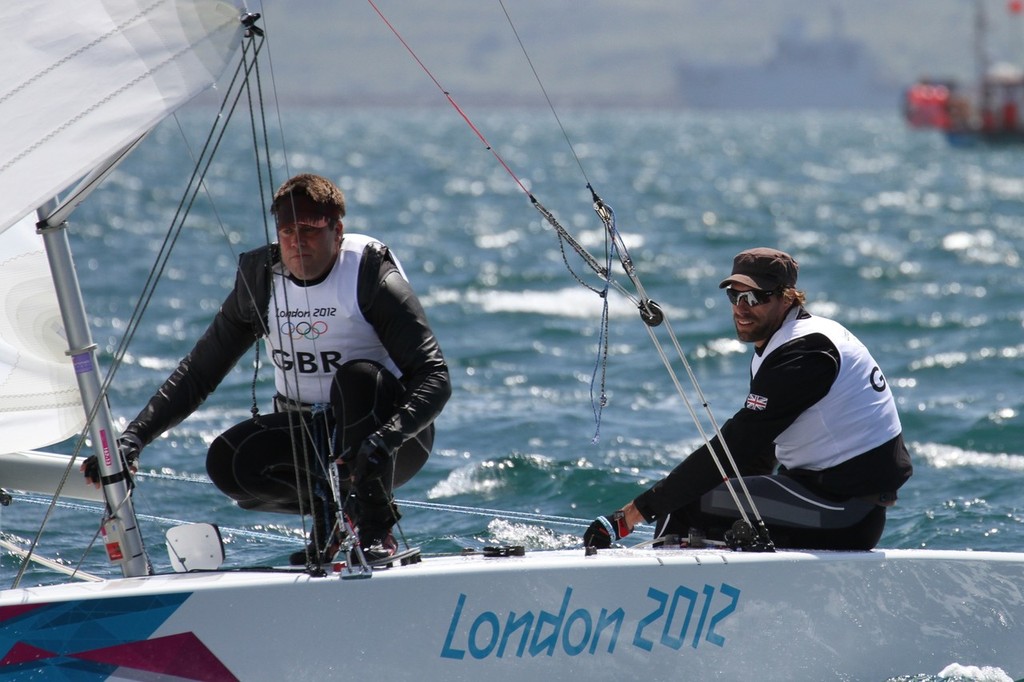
(39, 399)
(83, 78)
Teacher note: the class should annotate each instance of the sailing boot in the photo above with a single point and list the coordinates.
(378, 544)
(376, 515)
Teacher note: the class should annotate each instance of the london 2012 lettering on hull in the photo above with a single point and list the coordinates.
(683, 617)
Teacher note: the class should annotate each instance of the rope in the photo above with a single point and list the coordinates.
(162, 520)
(652, 316)
(650, 312)
(504, 514)
(195, 183)
(263, 536)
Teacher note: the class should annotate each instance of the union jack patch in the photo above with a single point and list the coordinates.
(755, 402)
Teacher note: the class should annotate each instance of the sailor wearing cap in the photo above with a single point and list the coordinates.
(817, 438)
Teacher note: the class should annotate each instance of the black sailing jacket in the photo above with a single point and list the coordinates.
(385, 299)
(794, 376)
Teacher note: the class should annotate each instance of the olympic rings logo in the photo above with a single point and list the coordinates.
(304, 330)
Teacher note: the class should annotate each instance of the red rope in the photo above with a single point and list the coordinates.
(451, 100)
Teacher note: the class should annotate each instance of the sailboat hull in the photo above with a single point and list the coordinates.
(698, 614)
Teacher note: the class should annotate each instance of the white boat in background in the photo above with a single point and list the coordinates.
(85, 92)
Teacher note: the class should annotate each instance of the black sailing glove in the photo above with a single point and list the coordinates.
(372, 459)
(128, 445)
(605, 529)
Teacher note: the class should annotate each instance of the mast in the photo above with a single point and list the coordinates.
(981, 60)
(121, 531)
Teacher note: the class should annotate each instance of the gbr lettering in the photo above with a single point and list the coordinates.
(324, 362)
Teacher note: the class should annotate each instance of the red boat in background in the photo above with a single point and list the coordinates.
(990, 111)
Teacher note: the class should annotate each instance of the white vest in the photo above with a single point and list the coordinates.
(857, 414)
(315, 329)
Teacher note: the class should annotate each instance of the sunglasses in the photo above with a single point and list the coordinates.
(754, 297)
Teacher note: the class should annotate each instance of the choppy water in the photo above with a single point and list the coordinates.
(914, 246)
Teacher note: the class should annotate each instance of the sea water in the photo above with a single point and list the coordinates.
(913, 245)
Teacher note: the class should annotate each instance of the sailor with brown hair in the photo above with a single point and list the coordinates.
(359, 377)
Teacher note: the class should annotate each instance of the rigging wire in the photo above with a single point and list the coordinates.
(564, 236)
(195, 184)
(615, 247)
(650, 312)
(653, 316)
(315, 439)
(162, 520)
(544, 91)
(546, 520)
(503, 514)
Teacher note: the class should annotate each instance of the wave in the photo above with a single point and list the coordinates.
(575, 302)
(942, 456)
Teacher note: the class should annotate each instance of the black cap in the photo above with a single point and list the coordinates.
(762, 268)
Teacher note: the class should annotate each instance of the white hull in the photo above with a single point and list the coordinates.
(659, 614)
